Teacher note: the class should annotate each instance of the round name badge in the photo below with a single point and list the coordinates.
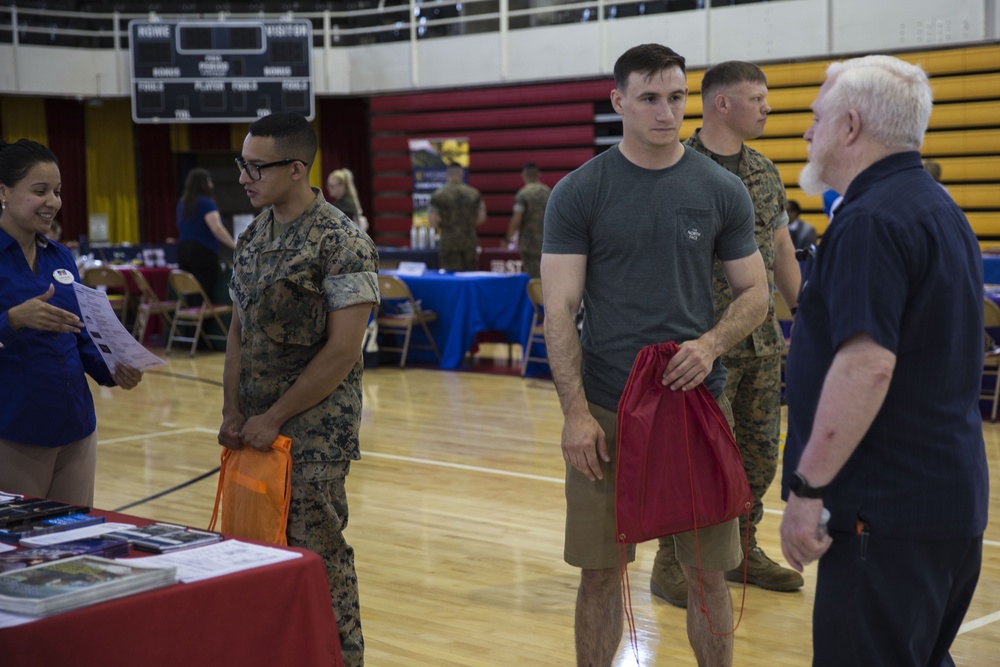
(63, 276)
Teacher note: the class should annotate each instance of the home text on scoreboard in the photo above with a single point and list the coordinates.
(220, 71)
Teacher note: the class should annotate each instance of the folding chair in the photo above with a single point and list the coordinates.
(186, 286)
(537, 334)
(112, 283)
(150, 304)
(398, 313)
(991, 362)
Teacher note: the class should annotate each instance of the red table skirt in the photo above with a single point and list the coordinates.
(274, 615)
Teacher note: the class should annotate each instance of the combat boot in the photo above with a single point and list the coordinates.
(667, 580)
(765, 573)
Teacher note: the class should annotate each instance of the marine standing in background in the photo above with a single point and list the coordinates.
(457, 209)
(734, 103)
(304, 285)
(528, 219)
(803, 234)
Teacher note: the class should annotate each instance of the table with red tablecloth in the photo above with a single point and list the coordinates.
(276, 614)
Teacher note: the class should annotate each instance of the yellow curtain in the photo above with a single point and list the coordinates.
(316, 178)
(180, 138)
(237, 133)
(24, 118)
(111, 186)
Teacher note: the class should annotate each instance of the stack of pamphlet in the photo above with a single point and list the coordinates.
(97, 546)
(71, 583)
(20, 512)
(46, 526)
(97, 530)
(165, 537)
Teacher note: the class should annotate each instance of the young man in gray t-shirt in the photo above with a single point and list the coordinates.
(633, 234)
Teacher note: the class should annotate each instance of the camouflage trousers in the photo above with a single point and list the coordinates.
(754, 389)
(457, 258)
(317, 518)
(531, 263)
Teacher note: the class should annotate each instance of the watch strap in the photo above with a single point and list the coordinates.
(803, 489)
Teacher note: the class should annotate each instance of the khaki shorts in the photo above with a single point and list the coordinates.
(590, 517)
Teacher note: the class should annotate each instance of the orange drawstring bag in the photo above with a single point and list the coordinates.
(254, 492)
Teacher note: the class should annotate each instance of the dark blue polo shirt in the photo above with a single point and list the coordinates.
(900, 263)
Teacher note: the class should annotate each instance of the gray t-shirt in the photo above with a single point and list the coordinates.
(650, 237)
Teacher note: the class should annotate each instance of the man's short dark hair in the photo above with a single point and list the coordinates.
(648, 60)
(793, 205)
(730, 73)
(291, 132)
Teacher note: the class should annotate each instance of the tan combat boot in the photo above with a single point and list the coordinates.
(765, 573)
(667, 581)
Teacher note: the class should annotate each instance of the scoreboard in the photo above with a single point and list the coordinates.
(220, 71)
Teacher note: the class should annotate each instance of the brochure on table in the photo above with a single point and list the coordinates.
(218, 559)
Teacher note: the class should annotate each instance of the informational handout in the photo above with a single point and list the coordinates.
(76, 534)
(112, 339)
(9, 497)
(218, 559)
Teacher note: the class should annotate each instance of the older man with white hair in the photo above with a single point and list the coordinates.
(883, 383)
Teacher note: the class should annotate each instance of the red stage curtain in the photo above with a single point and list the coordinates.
(66, 139)
(157, 176)
(344, 139)
(207, 137)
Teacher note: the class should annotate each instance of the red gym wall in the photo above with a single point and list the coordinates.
(551, 125)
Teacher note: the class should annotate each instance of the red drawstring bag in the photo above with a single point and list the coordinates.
(678, 467)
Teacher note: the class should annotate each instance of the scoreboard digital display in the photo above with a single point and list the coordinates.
(220, 71)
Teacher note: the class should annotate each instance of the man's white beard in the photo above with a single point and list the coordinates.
(810, 180)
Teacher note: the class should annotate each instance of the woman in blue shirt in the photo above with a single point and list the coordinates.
(48, 436)
(201, 230)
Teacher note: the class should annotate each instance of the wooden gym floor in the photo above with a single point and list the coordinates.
(457, 514)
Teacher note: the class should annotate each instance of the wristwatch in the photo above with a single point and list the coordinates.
(800, 487)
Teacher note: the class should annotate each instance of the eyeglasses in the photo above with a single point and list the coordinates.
(253, 170)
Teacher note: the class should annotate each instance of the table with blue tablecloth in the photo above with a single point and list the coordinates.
(991, 268)
(468, 303)
(390, 258)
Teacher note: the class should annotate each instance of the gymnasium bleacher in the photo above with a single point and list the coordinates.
(560, 125)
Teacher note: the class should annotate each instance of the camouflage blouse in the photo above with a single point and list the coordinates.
(283, 289)
(762, 181)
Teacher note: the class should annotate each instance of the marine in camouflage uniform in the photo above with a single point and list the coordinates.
(286, 280)
(753, 385)
(529, 218)
(457, 207)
